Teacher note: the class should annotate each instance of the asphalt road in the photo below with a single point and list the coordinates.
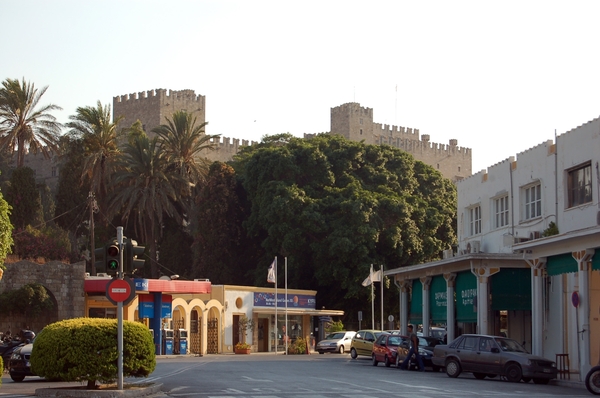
(329, 375)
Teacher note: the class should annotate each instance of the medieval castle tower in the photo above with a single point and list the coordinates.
(153, 106)
(356, 123)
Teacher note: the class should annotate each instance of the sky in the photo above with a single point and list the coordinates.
(498, 76)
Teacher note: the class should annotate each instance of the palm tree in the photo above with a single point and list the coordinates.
(100, 141)
(22, 126)
(147, 189)
(183, 141)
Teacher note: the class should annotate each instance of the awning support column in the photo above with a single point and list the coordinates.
(483, 273)
(426, 282)
(583, 258)
(537, 304)
(450, 320)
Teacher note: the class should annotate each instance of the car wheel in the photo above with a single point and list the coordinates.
(17, 378)
(341, 349)
(592, 380)
(541, 381)
(452, 368)
(513, 373)
(479, 376)
(375, 361)
(321, 352)
(387, 362)
(526, 379)
(353, 353)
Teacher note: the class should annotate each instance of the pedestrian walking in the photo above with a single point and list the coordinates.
(414, 350)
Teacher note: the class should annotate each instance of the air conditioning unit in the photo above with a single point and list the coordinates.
(474, 247)
(448, 254)
(535, 235)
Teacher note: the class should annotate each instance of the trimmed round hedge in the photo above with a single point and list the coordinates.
(86, 349)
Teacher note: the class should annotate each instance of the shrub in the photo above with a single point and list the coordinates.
(85, 349)
(299, 346)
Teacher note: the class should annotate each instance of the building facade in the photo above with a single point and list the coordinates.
(528, 231)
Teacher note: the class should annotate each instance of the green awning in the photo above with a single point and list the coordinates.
(596, 261)
(438, 299)
(511, 289)
(561, 264)
(416, 303)
(466, 297)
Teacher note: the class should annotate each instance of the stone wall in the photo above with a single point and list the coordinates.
(64, 283)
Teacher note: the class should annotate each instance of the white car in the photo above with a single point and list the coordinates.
(336, 342)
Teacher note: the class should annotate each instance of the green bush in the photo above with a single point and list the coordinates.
(86, 349)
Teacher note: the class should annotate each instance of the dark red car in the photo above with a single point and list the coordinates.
(386, 347)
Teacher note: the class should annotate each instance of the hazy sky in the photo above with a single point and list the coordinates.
(499, 76)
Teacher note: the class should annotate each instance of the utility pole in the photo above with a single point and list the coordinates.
(92, 204)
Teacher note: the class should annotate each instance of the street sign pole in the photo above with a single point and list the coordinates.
(120, 314)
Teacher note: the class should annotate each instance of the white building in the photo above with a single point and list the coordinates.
(532, 282)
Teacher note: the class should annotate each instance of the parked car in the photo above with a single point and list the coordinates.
(11, 344)
(493, 356)
(426, 345)
(362, 342)
(385, 348)
(336, 342)
(19, 366)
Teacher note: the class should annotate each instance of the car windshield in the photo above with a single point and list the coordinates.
(336, 336)
(394, 341)
(510, 345)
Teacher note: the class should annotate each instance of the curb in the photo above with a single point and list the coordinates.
(136, 390)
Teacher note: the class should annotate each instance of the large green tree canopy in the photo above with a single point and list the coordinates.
(333, 207)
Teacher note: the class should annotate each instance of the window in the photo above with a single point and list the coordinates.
(533, 201)
(475, 220)
(501, 212)
(579, 185)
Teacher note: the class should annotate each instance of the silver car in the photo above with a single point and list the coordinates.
(335, 342)
(493, 356)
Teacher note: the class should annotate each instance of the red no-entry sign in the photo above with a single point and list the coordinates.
(120, 291)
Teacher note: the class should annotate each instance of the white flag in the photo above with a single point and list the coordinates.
(374, 277)
(271, 274)
(367, 281)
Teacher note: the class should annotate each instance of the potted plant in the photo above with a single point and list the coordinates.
(243, 348)
(245, 324)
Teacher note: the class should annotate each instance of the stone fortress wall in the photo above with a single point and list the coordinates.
(349, 120)
(355, 123)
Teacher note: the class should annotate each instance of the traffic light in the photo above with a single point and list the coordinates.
(134, 256)
(112, 258)
(100, 261)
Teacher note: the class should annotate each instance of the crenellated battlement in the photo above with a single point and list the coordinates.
(227, 142)
(353, 107)
(160, 93)
(355, 123)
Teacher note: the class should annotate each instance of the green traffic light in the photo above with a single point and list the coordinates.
(113, 265)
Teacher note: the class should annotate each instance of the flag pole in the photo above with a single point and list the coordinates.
(372, 299)
(381, 283)
(286, 305)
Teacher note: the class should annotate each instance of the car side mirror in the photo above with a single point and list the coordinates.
(495, 350)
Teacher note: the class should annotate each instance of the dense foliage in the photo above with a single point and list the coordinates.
(85, 349)
(29, 301)
(25, 199)
(333, 207)
(6, 229)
